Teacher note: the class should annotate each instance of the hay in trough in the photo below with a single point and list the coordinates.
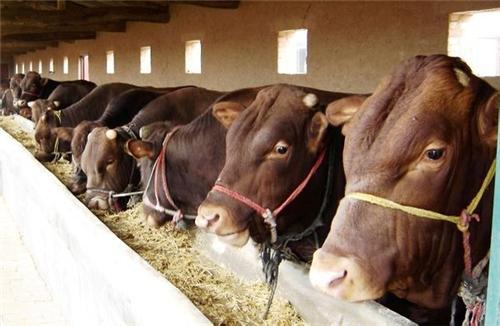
(223, 297)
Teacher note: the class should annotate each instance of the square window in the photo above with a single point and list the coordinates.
(145, 60)
(22, 68)
(31, 66)
(193, 57)
(17, 68)
(110, 62)
(292, 52)
(51, 66)
(65, 65)
(40, 66)
(474, 36)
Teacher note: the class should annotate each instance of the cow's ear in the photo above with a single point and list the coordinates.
(64, 133)
(226, 112)
(139, 148)
(340, 112)
(317, 132)
(488, 120)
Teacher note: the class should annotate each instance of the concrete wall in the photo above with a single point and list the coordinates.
(92, 275)
(351, 44)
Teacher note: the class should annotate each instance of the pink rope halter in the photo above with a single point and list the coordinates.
(159, 175)
(268, 215)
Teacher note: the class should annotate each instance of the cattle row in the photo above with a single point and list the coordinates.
(375, 189)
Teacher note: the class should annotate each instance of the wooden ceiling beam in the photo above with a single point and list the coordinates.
(119, 26)
(107, 4)
(53, 36)
(224, 4)
(16, 16)
(24, 44)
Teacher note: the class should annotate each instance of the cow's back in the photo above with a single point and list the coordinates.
(92, 106)
(179, 106)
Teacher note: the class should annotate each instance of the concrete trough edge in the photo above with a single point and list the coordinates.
(293, 284)
(95, 278)
(23, 123)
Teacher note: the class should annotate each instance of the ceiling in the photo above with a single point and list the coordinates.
(33, 25)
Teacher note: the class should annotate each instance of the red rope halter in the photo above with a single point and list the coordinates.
(266, 213)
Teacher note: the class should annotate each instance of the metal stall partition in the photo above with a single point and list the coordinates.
(493, 298)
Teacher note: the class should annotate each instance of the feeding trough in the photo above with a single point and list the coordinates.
(98, 280)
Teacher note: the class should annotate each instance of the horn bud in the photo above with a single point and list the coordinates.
(111, 134)
(310, 100)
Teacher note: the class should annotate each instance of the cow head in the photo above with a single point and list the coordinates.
(31, 88)
(46, 135)
(106, 165)
(77, 137)
(40, 106)
(426, 139)
(270, 148)
(145, 151)
(15, 88)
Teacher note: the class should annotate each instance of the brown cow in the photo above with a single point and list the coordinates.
(48, 133)
(119, 111)
(194, 157)
(270, 150)
(109, 168)
(426, 139)
(15, 87)
(63, 96)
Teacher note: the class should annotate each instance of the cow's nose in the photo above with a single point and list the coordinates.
(326, 280)
(209, 217)
(329, 272)
(97, 203)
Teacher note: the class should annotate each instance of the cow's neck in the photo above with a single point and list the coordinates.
(306, 207)
(447, 277)
(194, 159)
(48, 88)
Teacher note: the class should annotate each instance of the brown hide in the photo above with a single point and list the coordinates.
(271, 147)
(423, 139)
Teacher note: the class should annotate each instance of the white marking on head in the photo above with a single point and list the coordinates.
(310, 100)
(111, 134)
(57, 103)
(462, 77)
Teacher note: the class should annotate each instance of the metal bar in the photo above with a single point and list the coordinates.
(493, 299)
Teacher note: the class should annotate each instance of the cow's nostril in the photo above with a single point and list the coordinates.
(212, 218)
(338, 278)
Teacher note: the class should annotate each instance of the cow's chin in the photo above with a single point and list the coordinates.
(237, 239)
(98, 202)
(344, 279)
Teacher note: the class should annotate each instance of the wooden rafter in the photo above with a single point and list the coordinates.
(28, 25)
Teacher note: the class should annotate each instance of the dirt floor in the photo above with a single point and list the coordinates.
(223, 297)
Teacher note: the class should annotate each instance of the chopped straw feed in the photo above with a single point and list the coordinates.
(223, 297)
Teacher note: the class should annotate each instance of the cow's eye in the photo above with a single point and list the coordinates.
(434, 154)
(110, 161)
(281, 148)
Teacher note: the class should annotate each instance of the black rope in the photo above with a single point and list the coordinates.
(282, 243)
(271, 260)
(271, 255)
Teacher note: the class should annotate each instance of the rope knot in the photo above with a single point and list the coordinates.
(465, 219)
(270, 220)
(177, 216)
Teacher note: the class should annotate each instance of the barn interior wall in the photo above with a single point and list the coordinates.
(351, 45)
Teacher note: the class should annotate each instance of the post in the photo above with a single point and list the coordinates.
(61, 4)
(493, 300)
